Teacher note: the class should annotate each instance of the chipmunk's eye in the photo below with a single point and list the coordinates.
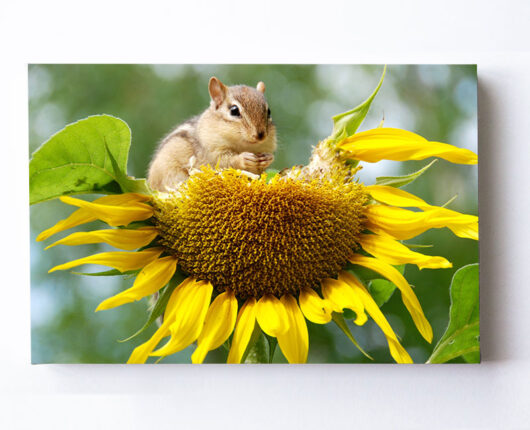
(268, 112)
(234, 111)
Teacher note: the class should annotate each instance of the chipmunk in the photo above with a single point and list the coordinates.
(235, 131)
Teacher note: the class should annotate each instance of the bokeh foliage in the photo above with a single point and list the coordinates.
(438, 102)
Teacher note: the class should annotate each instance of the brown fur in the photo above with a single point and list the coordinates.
(217, 138)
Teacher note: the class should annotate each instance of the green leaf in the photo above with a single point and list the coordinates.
(347, 123)
(128, 184)
(348, 314)
(399, 181)
(160, 305)
(472, 357)
(462, 336)
(381, 290)
(75, 160)
(338, 319)
(271, 173)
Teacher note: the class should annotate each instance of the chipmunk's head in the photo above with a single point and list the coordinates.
(245, 113)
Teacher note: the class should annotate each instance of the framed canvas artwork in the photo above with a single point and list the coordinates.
(254, 213)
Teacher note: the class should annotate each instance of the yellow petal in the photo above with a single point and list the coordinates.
(404, 224)
(395, 197)
(189, 318)
(119, 238)
(123, 199)
(271, 315)
(468, 231)
(82, 216)
(398, 223)
(152, 277)
(462, 225)
(294, 343)
(409, 298)
(396, 350)
(342, 297)
(141, 352)
(218, 325)
(122, 261)
(392, 252)
(113, 215)
(315, 309)
(400, 145)
(246, 319)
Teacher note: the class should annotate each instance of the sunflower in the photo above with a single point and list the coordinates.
(267, 254)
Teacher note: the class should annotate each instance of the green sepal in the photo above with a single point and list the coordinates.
(400, 181)
(462, 336)
(346, 124)
(417, 245)
(135, 225)
(112, 272)
(451, 200)
(257, 349)
(273, 343)
(338, 319)
(160, 305)
(75, 160)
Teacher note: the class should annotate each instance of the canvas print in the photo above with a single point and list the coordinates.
(254, 213)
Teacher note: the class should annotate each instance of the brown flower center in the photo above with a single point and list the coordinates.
(254, 237)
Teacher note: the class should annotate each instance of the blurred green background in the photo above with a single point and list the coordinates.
(437, 101)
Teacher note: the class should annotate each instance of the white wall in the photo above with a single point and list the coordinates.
(495, 394)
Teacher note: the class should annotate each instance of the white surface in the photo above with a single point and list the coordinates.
(495, 394)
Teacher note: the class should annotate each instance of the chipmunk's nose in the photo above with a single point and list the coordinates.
(260, 135)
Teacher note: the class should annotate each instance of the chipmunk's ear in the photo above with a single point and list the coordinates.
(217, 91)
(260, 87)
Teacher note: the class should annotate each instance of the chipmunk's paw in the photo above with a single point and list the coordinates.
(265, 160)
(255, 163)
(249, 161)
